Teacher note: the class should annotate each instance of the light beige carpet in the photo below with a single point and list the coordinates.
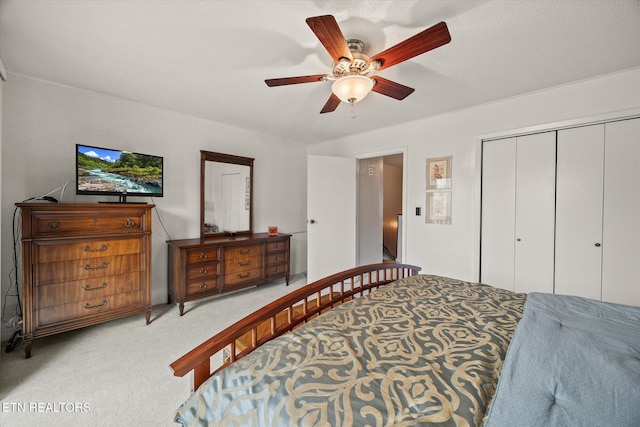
(117, 373)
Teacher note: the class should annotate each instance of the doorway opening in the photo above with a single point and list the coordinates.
(379, 209)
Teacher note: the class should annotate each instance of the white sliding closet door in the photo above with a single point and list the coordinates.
(579, 211)
(498, 213)
(621, 253)
(535, 212)
(518, 184)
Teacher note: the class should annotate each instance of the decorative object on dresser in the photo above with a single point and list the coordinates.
(210, 266)
(83, 264)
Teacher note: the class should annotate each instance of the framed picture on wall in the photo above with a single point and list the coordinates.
(439, 173)
(438, 207)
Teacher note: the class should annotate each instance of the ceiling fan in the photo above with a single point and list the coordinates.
(351, 67)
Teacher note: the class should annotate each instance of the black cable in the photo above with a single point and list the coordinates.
(13, 342)
(160, 219)
(15, 262)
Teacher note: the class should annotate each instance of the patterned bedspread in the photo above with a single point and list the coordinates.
(424, 349)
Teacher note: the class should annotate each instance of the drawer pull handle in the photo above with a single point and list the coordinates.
(276, 246)
(89, 306)
(244, 264)
(102, 248)
(100, 267)
(203, 271)
(275, 270)
(129, 223)
(203, 286)
(243, 276)
(203, 255)
(244, 251)
(276, 258)
(54, 225)
(89, 288)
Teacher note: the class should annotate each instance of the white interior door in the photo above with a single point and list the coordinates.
(331, 210)
(620, 263)
(579, 211)
(498, 213)
(535, 212)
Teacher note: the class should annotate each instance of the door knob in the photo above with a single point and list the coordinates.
(312, 221)
(597, 245)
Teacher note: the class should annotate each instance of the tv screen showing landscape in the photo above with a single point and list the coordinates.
(116, 172)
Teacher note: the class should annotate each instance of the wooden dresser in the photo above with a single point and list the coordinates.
(210, 266)
(83, 264)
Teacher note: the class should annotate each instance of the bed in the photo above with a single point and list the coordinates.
(383, 345)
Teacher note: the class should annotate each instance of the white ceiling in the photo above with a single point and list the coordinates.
(210, 58)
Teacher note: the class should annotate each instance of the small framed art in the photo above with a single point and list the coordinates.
(439, 173)
(438, 207)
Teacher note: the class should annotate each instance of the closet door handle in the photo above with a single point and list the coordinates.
(598, 245)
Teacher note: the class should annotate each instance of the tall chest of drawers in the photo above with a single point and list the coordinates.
(83, 264)
(200, 268)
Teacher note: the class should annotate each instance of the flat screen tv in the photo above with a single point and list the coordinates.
(109, 172)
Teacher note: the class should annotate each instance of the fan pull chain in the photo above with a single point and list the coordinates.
(353, 107)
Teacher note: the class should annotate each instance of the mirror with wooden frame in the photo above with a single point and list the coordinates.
(226, 194)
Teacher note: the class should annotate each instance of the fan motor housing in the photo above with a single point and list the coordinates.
(360, 64)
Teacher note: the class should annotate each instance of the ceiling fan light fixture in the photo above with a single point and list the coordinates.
(352, 88)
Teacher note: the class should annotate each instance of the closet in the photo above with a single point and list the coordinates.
(560, 212)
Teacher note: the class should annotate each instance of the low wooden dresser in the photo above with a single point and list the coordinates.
(210, 266)
(83, 264)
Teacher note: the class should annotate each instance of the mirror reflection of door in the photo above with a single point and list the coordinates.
(232, 199)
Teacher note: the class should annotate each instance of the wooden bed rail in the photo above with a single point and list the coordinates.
(285, 314)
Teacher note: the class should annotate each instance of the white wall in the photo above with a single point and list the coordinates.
(453, 250)
(1, 221)
(44, 121)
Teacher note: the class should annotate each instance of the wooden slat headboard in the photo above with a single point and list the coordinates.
(285, 314)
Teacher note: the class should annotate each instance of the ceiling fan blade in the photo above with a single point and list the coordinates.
(331, 105)
(295, 80)
(328, 32)
(422, 42)
(392, 89)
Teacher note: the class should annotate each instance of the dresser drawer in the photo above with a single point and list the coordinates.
(53, 224)
(202, 271)
(87, 307)
(203, 255)
(277, 258)
(239, 265)
(242, 276)
(86, 249)
(205, 285)
(242, 253)
(78, 290)
(280, 245)
(276, 270)
(65, 271)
